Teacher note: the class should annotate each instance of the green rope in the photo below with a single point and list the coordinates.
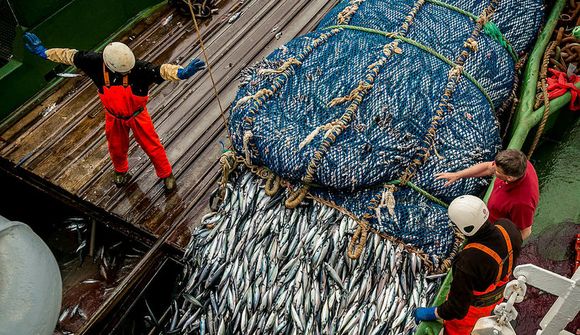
(422, 47)
(453, 8)
(398, 182)
(420, 191)
(576, 32)
(490, 28)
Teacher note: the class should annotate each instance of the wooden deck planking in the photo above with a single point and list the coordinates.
(301, 25)
(185, 135)
(206, 160)
(168, 122)
(73, 103)
(227, 76)
(88, 136)
(67, 148)
(184, 113)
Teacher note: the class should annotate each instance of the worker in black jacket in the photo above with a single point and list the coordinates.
(480, 271)
(123, 87)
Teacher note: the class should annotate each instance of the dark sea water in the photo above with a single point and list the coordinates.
(557, 220)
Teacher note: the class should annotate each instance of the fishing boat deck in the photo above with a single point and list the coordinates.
(57, 142)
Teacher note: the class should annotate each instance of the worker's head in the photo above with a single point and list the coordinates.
(510, 165)
(118, 57)
(468, 213)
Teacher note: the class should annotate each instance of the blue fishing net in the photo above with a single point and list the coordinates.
(386, 90)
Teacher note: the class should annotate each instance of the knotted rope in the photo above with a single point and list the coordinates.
(282, 68)
(543, 75)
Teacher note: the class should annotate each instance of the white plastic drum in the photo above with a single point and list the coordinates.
(30, 282)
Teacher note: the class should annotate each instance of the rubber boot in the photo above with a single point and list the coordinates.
(121, 178)
(169, 183)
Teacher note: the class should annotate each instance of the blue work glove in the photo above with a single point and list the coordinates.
(195, 65)
(34, 45)
(425, 314)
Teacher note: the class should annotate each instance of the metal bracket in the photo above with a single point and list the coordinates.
(567, 289)
(560, 314)
(517, 287)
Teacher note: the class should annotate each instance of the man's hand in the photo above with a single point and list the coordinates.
(34, 45)
(195, 65)
(425, 314)
(451, 177)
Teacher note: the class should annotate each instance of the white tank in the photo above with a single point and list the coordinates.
(30, 282)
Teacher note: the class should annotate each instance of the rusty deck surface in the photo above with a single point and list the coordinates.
(59, 145)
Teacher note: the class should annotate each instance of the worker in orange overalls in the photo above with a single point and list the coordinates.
(480, 271)
(123, 87)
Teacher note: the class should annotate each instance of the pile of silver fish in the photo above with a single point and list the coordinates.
(257, 267)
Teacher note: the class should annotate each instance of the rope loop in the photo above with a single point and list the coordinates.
(272, 184)
(296, 198)
(246, 144)
(229, 163)
(358, 241)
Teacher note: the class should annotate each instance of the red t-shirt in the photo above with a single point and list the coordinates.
(516, 201)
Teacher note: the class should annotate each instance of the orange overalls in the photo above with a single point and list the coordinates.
(484, 302)
(128, 111)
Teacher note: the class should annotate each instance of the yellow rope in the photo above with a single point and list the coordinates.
(255, 96)
(543, 74)
(223, 116)
(348, 11)
(328, 127)
(471, 43)
(358, 241)
(362, 87)
(282, 68)
(246, 144)
(272, 184)
(296, 198)
(228, 163)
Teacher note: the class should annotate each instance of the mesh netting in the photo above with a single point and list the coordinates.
(384, 90)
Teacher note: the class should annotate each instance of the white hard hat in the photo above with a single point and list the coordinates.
(468, 213)
(118, 57)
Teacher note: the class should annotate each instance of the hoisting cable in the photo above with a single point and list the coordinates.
(13, 13)
(227, 160)
(201, 44)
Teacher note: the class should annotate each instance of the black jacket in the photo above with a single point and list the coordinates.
(474, 270)
(140, 78)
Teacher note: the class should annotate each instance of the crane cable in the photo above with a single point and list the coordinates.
(224, 119)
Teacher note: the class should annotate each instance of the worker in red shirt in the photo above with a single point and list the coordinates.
(515, 193)
(123, 87)
(480, 271)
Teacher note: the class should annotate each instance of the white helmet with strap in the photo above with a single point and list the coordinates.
(468, 213)
(118, 57)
